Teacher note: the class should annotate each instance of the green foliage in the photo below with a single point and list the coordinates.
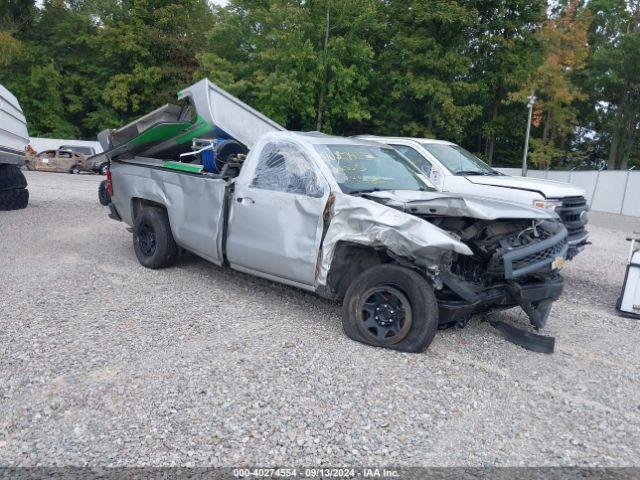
(614, 78)
(9, 48)
(273, 55)
(504, 49)
(455, 69)
(108, 61)
(424, 87)
(543, 154)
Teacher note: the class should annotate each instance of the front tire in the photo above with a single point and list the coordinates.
(153, 241)
(390, 306)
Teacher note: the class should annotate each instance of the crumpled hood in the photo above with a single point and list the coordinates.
(436, 203)
(359, 220)
(547, 188)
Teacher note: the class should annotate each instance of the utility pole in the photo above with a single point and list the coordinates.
(530, 103)
(325, 53)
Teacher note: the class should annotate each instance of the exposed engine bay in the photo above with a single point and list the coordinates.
(491, 241)
(515, 262)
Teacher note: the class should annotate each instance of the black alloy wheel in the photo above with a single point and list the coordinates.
(385, 315)
(146, 239)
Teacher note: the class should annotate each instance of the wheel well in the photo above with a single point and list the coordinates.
(349, 261)
(137, 204)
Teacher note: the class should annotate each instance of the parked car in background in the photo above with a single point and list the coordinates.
(451, 168)
(60, 161)
(98, 163)
(84, 150)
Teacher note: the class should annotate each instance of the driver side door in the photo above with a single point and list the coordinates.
(275, 223)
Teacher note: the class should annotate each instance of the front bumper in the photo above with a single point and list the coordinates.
(536, 257)
(535, 297)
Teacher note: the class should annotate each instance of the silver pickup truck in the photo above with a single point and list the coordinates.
(349, 219)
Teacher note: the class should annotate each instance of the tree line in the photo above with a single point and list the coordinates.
(460, 70)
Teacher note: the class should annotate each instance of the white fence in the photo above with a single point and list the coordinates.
(613, 191)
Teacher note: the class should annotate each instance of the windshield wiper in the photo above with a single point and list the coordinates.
(364, 190)
(471, 172)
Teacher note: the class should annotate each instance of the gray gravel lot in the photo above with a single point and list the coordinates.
(104, 362)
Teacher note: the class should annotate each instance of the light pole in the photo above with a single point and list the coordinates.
(530, 103)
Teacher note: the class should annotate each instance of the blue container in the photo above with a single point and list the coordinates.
(208, 160)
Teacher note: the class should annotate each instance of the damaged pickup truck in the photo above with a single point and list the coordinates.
(349, 219)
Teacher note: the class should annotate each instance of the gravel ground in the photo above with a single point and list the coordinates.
(104, 362)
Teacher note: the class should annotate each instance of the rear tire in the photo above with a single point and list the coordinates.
(153, 241)
(14, 199)
(11, 177)
(103, 193)
(390, 306)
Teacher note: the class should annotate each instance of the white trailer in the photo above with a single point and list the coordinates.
(14, 139)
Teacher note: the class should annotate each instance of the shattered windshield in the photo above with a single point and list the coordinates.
(458, 160)
(365, 168)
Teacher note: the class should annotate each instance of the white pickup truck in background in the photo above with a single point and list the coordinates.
(451, 168)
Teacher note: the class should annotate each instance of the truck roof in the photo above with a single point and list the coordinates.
(319, 138)
(415, 139)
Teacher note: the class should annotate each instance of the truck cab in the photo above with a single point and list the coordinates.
(451, 168)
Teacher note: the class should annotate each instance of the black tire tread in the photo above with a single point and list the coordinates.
(14, 199)
(103, 194)
(11, 177)
(419, 293)
(167, 250)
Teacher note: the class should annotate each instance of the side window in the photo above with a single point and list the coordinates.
(417, 159)
(283, 167)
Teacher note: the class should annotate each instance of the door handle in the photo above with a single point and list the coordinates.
(245, 200)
